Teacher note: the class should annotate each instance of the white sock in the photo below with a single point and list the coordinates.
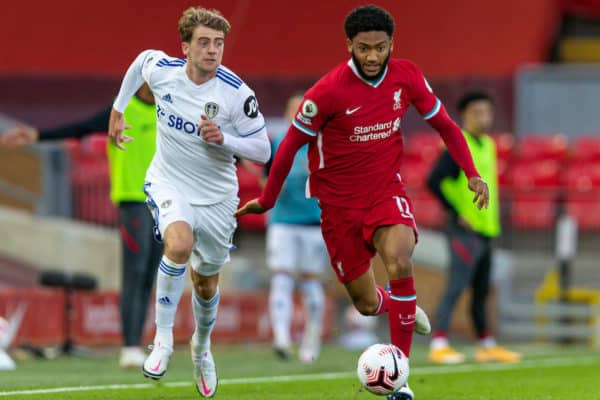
(487, 342)
(314, 303)
(281, 308)
(439, 342)
(205, 314)
(169, 288)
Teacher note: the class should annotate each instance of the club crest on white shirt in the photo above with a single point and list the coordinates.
(211, 110)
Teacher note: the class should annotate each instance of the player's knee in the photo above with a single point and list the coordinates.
(205, 279)
(179, 241)
(398, 265)
(178, 245)
(178, 250)
(204, 286)
(366, 306)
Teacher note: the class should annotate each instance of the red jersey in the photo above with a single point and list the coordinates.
(357, 148)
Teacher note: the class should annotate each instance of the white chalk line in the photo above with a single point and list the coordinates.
(425, 370)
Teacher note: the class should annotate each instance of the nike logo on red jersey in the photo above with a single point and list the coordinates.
(352, 111)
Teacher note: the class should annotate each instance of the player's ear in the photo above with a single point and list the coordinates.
(185, 48)
(391, 45)
(349, 45)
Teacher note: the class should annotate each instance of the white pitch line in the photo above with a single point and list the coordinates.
(428, 370)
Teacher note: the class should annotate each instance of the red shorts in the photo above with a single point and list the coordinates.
(348, 232)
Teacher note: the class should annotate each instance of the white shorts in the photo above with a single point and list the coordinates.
(213, 225)
(294, 248)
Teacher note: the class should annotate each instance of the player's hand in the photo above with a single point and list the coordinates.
(210, 131)
(482, 193)
(20, 135)
(251, 207)
(116, 126)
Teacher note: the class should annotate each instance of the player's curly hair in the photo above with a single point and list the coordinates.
(195, 16)
(368, 18)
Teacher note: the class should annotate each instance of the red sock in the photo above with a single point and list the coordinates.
(439, 334)
(383, 296)
(401, 315)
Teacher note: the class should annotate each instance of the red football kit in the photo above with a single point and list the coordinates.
(353, 127)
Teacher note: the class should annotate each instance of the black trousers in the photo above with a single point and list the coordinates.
(141, 256)
(470, 264)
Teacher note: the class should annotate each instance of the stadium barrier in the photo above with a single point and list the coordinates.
(95, 317)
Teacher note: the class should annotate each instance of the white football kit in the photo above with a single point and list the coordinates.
(189, 179)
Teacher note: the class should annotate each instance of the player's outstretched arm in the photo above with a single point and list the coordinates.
(116, 126)
(22, 135)
(282, 163)
(133, 80)
(458, 149)
(18, 136)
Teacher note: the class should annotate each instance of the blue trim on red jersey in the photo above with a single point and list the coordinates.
(304, 129)
(434, 110)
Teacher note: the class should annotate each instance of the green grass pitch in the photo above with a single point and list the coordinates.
(251, 372)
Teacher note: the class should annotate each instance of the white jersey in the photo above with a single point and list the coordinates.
(203, 172)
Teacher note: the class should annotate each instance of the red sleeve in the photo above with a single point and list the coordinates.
(455, 141)
(315, 108)
(434, 112)
(282, 163)
(422, 96)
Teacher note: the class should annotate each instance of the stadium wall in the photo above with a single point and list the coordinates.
(275, 38)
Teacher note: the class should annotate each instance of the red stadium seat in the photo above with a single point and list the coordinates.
(583, 177)
(533, 175)
(586, 148)
(535, 189)
(422, 146)
(414, 172)
(91, 193)
(542, 147)
(585, 208)
(90, 181)
(535, 210)
(505, 145)
(72, 147)
(249, 189)
(95, 145)
(503, 170)
(427, 210)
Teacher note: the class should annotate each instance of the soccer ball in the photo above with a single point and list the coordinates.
(382, 369)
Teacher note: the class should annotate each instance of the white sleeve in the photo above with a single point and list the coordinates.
(137, 72)
(246, 116)
(255, 147)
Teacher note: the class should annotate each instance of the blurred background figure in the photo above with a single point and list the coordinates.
(359, 330)
(140, 252)
(8, 331)
(295, 251)
(470, 234)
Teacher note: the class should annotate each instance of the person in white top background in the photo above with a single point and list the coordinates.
(205, 115)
